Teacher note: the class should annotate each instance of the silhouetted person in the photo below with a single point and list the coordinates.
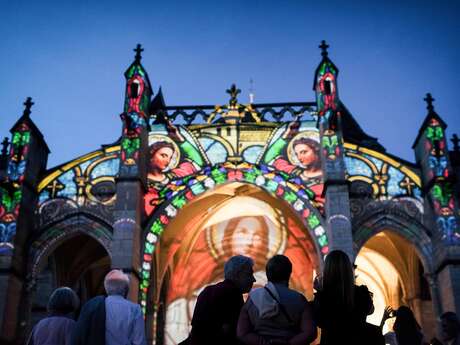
(111, 320)
(450, 327)
(335, 300)
(57, 328)
(218, 306)
(406, 330)
(366, 333)
(276, 314)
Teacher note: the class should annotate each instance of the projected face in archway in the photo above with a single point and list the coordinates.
(248, 236)
(242, 226)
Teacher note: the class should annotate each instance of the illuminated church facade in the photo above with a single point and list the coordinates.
(186, 187)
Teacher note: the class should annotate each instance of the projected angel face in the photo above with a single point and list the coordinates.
(161, 154)
(307, 153)
(162, 158)
(246, 236)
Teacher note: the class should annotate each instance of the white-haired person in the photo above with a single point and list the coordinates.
(57, 328)
(111, 320)
(218, 306)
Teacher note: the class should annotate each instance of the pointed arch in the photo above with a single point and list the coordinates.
(408, 228)
(274, 183)
(55, 235)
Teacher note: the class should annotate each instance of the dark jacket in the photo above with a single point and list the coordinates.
(90, 327)
(367, 333)
(216, 315)
(336, 322)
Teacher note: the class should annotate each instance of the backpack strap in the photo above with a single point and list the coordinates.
(282, 308)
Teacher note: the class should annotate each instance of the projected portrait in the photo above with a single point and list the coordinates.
(303, 158)
(163, 158)
(297, 153)
(170, 157)
(253, 236)
(246, 236)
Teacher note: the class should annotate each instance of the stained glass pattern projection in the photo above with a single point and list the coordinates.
(133, 123)
(176, 153)
(171, 158)
(11, 193)
(84, 182)
(326, 87)
(137, 90)
(294, 149)
(387, 177)
(442, 192)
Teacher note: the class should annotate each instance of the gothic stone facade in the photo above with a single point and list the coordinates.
(131, 204)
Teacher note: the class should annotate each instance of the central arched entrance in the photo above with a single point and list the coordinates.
(236, 218)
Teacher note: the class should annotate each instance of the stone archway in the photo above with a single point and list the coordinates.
(236, 218)
(274, 183)
(394, 261)
(75, 253)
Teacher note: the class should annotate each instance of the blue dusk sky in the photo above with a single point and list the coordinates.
(70, 57)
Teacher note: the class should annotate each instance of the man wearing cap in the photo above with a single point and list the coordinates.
(111, 320)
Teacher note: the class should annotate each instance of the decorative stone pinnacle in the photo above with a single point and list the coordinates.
(323, 47)
(233, 92)
(429, 102)
(138, 51)
(5, 144)
(28, 106)
(455, 140)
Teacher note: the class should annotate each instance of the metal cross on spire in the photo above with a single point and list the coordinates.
(138, 51)
(5, 144)
(323, 47)
(455, 140)
(233, 92)
(429, 101)
(28, 106)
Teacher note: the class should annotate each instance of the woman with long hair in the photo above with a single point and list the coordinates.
(334, 300)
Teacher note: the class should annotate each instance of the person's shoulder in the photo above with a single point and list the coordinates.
(299, 299)
(121, 300)
(373, 328)
(93, 303)
(297, 294)
(255, 293)
(95, 300)
(42, 322)
(224, 287)
(208, 290)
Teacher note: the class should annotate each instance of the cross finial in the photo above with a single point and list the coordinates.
(233, 92)
(28, 106)
(408, 185)
(324, 47)
(5, 144)
(138, 51)
(455, 140)
(429, 102)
